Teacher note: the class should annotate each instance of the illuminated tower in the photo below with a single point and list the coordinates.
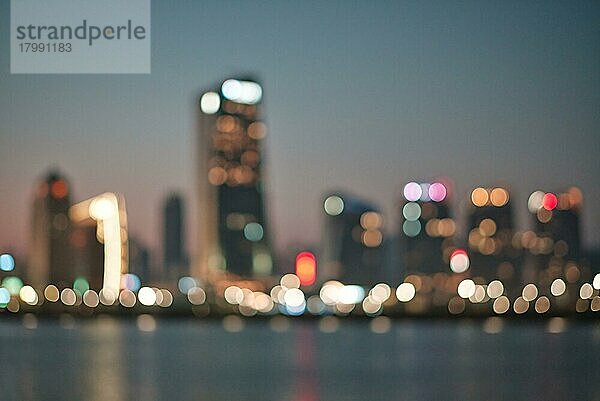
(427, 231)
(232, 234)
(49, 252)
(352, 241)
(173, 238)
(491, 232)
(107, 216)
(556, 222)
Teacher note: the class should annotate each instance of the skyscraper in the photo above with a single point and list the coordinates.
(556, 219)
(233, 235)
(427, 231)
(173, 238)
(490, 237)
(50, 252)
(553, 248)
(352, 241)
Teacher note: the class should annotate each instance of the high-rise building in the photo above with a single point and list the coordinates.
(491, 232)
(174, 261)
(49, 252)
(556, 222)
(352, 241)
(427, 228)
(233, 233)
(139, 262)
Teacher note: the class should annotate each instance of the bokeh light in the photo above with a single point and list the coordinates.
(405, 292)
(210, 102)
(306, 268)
(147, 296)
(7, 262)
(499, 197)
(466, 288)
(480, 197)
(437, 192)
(549, 201)
(459, 261)
(412, 192)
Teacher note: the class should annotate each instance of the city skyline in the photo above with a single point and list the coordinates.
(465, 106)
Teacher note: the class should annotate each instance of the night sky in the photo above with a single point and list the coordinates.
(359, 96)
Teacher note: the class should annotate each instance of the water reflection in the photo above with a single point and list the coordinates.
(285, 359)
(102, 366)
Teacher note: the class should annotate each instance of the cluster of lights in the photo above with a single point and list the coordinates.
(333, 297)
(496, 197)
(539, 244)
(239, 161)
(425, 192)
(544, 204)
(413, 211)
(483, 237)
(371, 223)
(244, 92)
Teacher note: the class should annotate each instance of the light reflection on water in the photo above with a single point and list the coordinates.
(169, 359)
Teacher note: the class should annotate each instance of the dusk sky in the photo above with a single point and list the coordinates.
(358, 96)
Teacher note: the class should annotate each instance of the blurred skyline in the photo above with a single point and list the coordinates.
(359, 97)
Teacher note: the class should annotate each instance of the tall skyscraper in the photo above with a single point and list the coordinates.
(352, 241)
(175, 263)
(427, 228)
(554, 243)
(490, 237)
(233, 234)
(556, 222)
(49, 251)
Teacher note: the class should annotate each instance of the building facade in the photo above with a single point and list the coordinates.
(233, 233)
(50, 256)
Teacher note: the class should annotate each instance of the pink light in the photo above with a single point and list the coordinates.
(458, 251)
(437, 192)
(549, 201)
(412, 191)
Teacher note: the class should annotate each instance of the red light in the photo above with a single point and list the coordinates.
(59, 189)
(549, 201)
(306, 268)
(458, 251)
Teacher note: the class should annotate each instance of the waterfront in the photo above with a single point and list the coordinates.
(110, 358)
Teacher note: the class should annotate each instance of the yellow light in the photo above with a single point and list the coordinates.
(480, 197)
(499, 197)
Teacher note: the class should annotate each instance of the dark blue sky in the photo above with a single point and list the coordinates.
(361, 96)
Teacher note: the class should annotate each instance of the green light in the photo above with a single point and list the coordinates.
(81, 285)
(12, 284)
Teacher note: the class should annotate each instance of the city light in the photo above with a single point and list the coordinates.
(246, 92)
(333, 205)
(459, 261)
(412, 192)
(405, 292)
(7, 262)
(549, 201)
(306, 268)
(210, 102)
(108, 210)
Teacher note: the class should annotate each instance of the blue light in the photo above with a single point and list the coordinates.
(4, 297)
(132, 282)
(7, 262)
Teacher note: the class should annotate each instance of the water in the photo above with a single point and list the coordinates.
(185, 359)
